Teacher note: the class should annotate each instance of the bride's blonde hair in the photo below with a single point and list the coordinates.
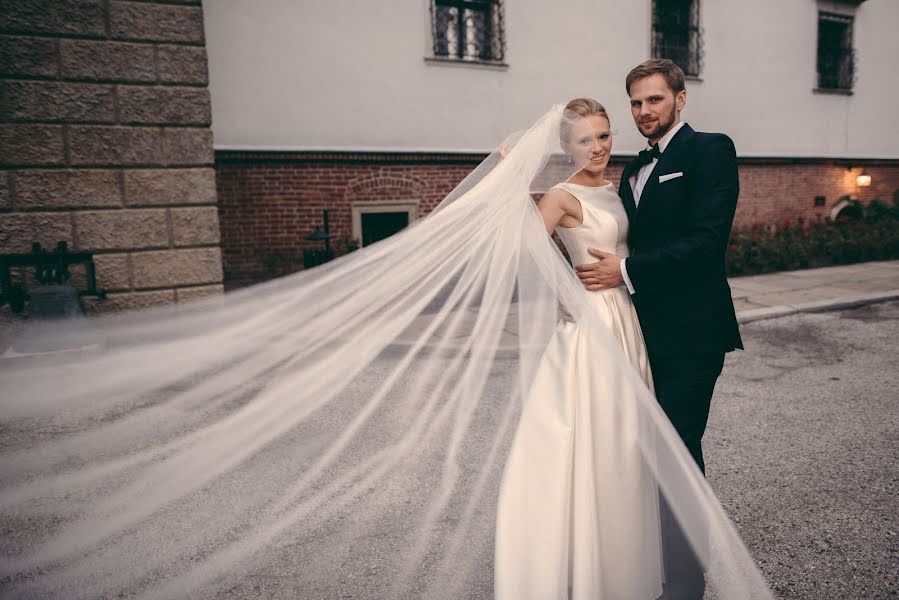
(580, 108)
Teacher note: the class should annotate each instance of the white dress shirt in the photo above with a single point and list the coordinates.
(638, 182)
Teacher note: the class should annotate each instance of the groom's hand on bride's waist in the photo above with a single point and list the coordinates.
(602, 274)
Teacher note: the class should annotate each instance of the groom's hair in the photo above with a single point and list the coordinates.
(672, 73)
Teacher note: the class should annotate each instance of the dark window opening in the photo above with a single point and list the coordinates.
(676, 34)
(379, 225)
(836, 58)
(468, 29)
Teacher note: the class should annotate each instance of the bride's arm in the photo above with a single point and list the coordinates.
(558, 207)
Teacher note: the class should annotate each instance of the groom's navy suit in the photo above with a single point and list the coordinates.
(678, 237)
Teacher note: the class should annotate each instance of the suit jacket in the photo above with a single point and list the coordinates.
(678, 237)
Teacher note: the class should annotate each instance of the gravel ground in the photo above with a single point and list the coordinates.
(803, 451)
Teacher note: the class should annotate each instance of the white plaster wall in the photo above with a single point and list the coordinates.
(344, 74)
(760, 74)
(873, 120)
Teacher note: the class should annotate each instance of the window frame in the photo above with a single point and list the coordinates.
(496, 26)
(846, 61)
(694, 48)
(357, 209)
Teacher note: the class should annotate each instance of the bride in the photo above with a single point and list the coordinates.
(577, 508)
(344, 431)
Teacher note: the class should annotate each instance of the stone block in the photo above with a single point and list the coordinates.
(122, 229)
(5, 195)
(195, 266)
(19, 230)
(77, 277)
(189, 294)
(5, 191)
(128, 301)
(169, 186)
(156, 22)
(28, 57)
(66, 188)
(162, 106)
(76, 17)
(31, 145)
(114, 145)
(47, 101)
(187, 146)
(113, 271)
(107, 61)
(182, 64)
(195, 226)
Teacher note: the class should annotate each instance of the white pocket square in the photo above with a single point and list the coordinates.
(664, 178)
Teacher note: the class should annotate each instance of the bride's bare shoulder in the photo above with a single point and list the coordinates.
(560, 196)
(566, 203)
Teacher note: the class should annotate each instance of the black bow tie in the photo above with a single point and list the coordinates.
(646, 156)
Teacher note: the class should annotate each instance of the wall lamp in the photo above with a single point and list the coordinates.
(862, 179)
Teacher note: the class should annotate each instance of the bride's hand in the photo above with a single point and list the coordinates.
(503, 150)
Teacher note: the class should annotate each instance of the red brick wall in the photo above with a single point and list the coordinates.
(268, 204)
(772, 193)
(266, 210)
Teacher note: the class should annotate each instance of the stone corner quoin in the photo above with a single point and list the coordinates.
(105, 143)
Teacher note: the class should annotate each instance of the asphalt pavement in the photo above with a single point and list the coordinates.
(802, 449)
(774, 295)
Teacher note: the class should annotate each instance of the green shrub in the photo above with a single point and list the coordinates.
(798, 245)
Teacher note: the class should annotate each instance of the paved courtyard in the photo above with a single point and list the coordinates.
(802, 449)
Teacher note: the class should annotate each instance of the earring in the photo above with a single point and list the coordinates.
(569, 159)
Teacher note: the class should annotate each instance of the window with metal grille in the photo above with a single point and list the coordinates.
(676, 33)
(836, 58)
(468, 30)
(374, 221)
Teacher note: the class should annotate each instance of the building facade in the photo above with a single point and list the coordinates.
(375, 112)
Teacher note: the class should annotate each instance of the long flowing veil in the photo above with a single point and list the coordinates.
(337, 433)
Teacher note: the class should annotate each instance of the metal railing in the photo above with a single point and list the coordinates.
(49, 268)
(676, 34)
(469, 30)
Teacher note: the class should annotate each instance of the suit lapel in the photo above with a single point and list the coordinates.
(663, 165)
(627, 192)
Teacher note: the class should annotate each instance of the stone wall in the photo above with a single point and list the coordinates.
(105, 143)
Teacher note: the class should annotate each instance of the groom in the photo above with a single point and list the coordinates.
(680, 195)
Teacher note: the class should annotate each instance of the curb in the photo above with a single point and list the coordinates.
(771, 312)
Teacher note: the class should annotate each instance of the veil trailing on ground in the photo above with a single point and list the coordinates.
(340, 432)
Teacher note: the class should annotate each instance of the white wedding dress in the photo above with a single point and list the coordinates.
(578, 513)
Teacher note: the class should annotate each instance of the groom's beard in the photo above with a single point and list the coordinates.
(665, 123)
